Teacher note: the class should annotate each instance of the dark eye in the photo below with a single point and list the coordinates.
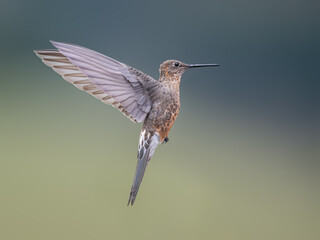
(176, 64)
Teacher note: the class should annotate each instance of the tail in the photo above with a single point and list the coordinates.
(147, 145)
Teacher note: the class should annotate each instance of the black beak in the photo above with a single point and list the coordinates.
(202, 65)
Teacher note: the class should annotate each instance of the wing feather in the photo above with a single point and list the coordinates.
(113, 82)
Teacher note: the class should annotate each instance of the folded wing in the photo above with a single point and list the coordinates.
(112, 82)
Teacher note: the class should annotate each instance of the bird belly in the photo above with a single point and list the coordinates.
(163, 119)
(164, 127)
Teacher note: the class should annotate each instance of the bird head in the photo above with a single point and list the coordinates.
(175, 68)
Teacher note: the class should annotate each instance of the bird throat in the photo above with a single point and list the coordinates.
(171, 81)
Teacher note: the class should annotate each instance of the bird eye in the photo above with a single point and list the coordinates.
(176, 64)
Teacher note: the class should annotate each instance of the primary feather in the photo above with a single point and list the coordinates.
(112, 82)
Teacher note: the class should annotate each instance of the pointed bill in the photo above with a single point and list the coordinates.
(202, 65)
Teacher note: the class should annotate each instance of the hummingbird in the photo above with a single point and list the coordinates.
(141, 98)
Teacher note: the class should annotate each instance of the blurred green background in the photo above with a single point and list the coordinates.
(243, 157)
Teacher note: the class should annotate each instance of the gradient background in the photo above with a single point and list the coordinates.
(243, 157)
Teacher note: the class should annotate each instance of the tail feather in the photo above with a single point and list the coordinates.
(147, 145)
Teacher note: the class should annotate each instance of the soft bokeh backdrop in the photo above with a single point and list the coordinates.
(243, 157)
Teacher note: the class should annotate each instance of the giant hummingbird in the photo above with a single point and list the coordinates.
(142, 99)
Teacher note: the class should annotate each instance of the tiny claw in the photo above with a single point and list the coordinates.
(166, 140)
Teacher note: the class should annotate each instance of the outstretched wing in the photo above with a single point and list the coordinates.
(112, 82)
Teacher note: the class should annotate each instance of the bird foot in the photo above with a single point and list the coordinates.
(165, 140)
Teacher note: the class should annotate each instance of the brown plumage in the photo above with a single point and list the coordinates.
(137, 95)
